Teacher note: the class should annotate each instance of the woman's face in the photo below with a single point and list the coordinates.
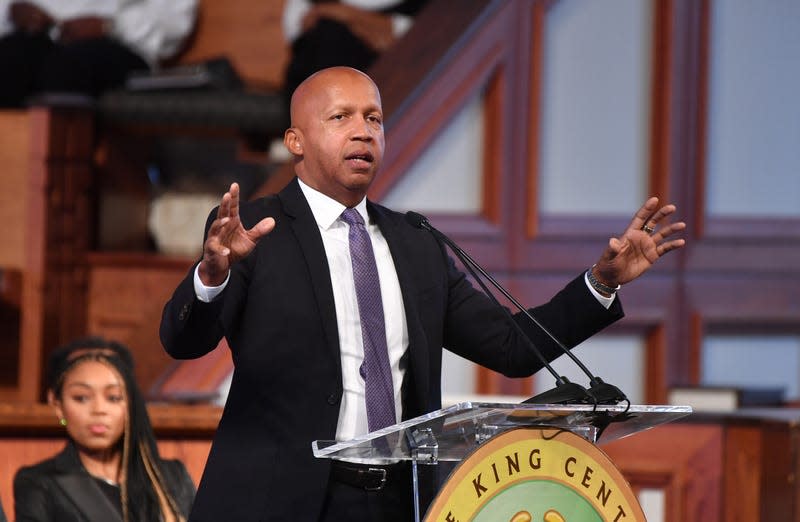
(94, 404)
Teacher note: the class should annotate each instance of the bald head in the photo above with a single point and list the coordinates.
(316, 86)
(336, 136)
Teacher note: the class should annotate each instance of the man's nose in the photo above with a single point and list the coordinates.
(363, 130)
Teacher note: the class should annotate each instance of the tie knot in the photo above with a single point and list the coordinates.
(352, 217)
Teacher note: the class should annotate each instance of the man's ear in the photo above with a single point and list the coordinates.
(293, 142)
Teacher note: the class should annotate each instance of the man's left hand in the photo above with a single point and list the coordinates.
(646, 239)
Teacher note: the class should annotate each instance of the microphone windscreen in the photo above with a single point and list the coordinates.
(415, 220)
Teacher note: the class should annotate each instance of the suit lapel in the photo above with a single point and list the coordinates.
(307, 234)
(87, 497)
(308, 237)
(81, 488)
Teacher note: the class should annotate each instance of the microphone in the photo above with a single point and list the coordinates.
(565, 392)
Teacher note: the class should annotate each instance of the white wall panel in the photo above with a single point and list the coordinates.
(653, 504)
(752, 361)
(447, 177)
(617, 359)
(754, 109)
(596, 106)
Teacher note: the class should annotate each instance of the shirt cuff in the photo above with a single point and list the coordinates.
(205, 293)
(603, 300)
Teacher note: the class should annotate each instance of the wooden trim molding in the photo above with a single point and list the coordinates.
(660, 101)
(684, 461)
(172, 420)
(58, 228)
(534, 127)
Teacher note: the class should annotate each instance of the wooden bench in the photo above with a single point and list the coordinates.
(246, 32)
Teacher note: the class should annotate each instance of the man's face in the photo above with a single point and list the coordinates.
(338, 125)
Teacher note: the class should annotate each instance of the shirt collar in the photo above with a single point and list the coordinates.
(327, 210)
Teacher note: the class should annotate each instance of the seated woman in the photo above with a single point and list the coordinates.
(110, 469)
(86, 47)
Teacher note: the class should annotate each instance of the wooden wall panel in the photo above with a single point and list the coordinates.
(57, 228)
(248, 32)
(684, 461)
(17, 452)
(127, 293)
(15, 146)
(727, 468)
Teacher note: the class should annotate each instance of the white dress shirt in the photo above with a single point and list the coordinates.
(334, 232)
(295, 10)
(154, 29)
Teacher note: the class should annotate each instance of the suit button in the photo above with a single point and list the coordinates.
(184, 312)
(332, 399)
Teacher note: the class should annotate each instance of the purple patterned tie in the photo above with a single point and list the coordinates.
(375, 369)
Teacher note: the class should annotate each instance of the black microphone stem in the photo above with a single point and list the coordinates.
(600, 391)
(565, 392)
(516, 303)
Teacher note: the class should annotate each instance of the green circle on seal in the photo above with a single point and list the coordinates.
(537, 497)
(536, 474)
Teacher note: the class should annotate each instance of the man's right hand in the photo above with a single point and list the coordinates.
(228, 241)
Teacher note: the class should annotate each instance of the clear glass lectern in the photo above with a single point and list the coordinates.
(452, 433)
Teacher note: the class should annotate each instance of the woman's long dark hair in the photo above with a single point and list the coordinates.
(145, 494)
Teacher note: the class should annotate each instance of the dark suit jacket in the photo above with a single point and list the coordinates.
(60, 490)
(278, 315)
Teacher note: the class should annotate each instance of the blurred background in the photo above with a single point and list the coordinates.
(527, 130)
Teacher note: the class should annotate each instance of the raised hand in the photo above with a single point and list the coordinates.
(228, 241)
(646, 239)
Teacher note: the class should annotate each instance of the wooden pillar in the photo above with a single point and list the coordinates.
(58, 235)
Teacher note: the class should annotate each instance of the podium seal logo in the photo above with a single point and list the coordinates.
(536, 475)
